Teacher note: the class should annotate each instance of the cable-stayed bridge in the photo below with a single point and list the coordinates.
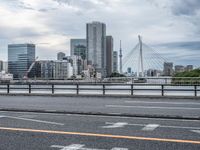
(142, 57)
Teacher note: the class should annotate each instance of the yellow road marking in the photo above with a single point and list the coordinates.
(102, 135)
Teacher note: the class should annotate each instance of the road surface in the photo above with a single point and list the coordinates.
(108, 105)
(43, 131)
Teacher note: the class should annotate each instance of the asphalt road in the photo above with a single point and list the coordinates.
(109, 105)
(43, 131)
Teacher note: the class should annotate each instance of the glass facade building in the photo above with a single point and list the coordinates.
(20, 57)
(78, 47)
(109, 54)
(96, 46)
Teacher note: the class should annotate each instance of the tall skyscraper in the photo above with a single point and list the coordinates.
(20, 57)
(109, 54)
(96, 46)
(115, 61)
(120, 58)
(1, 65)
(168, 69)
(60, 56)
(78, 47)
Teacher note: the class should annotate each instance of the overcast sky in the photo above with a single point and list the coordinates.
(172, 27)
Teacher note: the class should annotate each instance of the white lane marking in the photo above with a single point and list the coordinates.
(196, 131)
(28, 116)
(127, 124)
(70, 147)
(112, 117)
(175, 103)
(160, 126)
(116, 125)
(81, 147)
(117, 148)
(34, 120)
(152, 107)
(150, 127)
(2, 116)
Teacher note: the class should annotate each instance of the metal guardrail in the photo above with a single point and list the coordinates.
(103, 89)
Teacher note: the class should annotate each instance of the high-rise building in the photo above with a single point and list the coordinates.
(168, 69)
(20, 57)
(60, 56)
(109, 54)
(96, 46)
(129, 70)
(5, 66)
(115, 61)
(1, 65)
(78, 48)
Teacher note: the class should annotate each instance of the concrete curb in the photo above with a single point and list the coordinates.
(102, 114)
(108, 96)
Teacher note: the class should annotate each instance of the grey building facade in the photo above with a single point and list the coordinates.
(1, 65)
(115, 61)
(168, 69)
(179, 68)
(96, 46)
(60, 56)
(78, 48)
(20, 57)
(109, 54)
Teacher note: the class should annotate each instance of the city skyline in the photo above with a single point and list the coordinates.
(172, 28)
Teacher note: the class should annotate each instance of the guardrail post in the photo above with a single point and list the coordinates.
(52, 88)
(162, 88)
(195, 90)
(131, 89)
(77, 89)
(8, 88)
(29, 88)
(104, 89)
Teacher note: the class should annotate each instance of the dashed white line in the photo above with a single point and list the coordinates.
(150, 127)
(196, 131)
(116, 125)
(160, 126)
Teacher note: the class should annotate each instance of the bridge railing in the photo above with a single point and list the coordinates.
(103, 89)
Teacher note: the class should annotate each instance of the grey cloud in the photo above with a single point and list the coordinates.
(12, 33)
(46, 9)
(63, 1)
(84, 4)
(185, 7)
(190, 45)
(17, 4)
(25, 6)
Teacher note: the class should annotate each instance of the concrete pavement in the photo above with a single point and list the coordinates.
(152, 107)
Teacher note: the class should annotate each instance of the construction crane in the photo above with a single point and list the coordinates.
(30, 68)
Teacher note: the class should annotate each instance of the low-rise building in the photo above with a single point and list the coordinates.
(189, 68)
(179, 68)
